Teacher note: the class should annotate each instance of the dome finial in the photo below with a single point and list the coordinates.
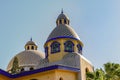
(31, 39)
(62, 11)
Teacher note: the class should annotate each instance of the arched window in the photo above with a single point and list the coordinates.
(60, 21)
(55, 47)
(64, 21)
(32, 47)
(79, 48)
(46, 52)
(86, 70)
(28, 48)
(61, 78)
(69, 46)
(22, 69)
(31, 68)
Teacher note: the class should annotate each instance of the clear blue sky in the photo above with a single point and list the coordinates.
(97, 22)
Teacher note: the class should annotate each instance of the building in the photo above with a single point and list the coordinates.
(63, 58)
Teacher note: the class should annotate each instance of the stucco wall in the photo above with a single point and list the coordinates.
(85, 64)
(56, 74)
(66, 75)
(2, 77)
(47, 75)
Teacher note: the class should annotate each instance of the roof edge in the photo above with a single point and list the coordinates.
(2, 72)
(62, 37)
(39, 70)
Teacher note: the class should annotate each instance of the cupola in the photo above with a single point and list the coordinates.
(26, 60)
(62, 19)
(30, 45)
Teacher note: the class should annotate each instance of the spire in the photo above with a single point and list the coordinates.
(31, 39)
(62, 11)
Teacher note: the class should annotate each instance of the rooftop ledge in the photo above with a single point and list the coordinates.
(4, 73)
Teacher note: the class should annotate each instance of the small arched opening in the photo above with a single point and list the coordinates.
(60, 21)
(22, 70)
(31, 68)
(61, 78)
(65, 22)
(28, 48)
(86, 70)
(32, 47)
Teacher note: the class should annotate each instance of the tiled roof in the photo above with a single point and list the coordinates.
(62, 16)
(27, 58)
(63, 30)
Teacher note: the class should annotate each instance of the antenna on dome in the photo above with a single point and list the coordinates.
(62, 11)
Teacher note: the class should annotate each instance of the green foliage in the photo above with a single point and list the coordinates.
(111, 71)
(15, 66)
(96, 75)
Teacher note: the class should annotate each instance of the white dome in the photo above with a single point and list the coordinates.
(27, 58)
